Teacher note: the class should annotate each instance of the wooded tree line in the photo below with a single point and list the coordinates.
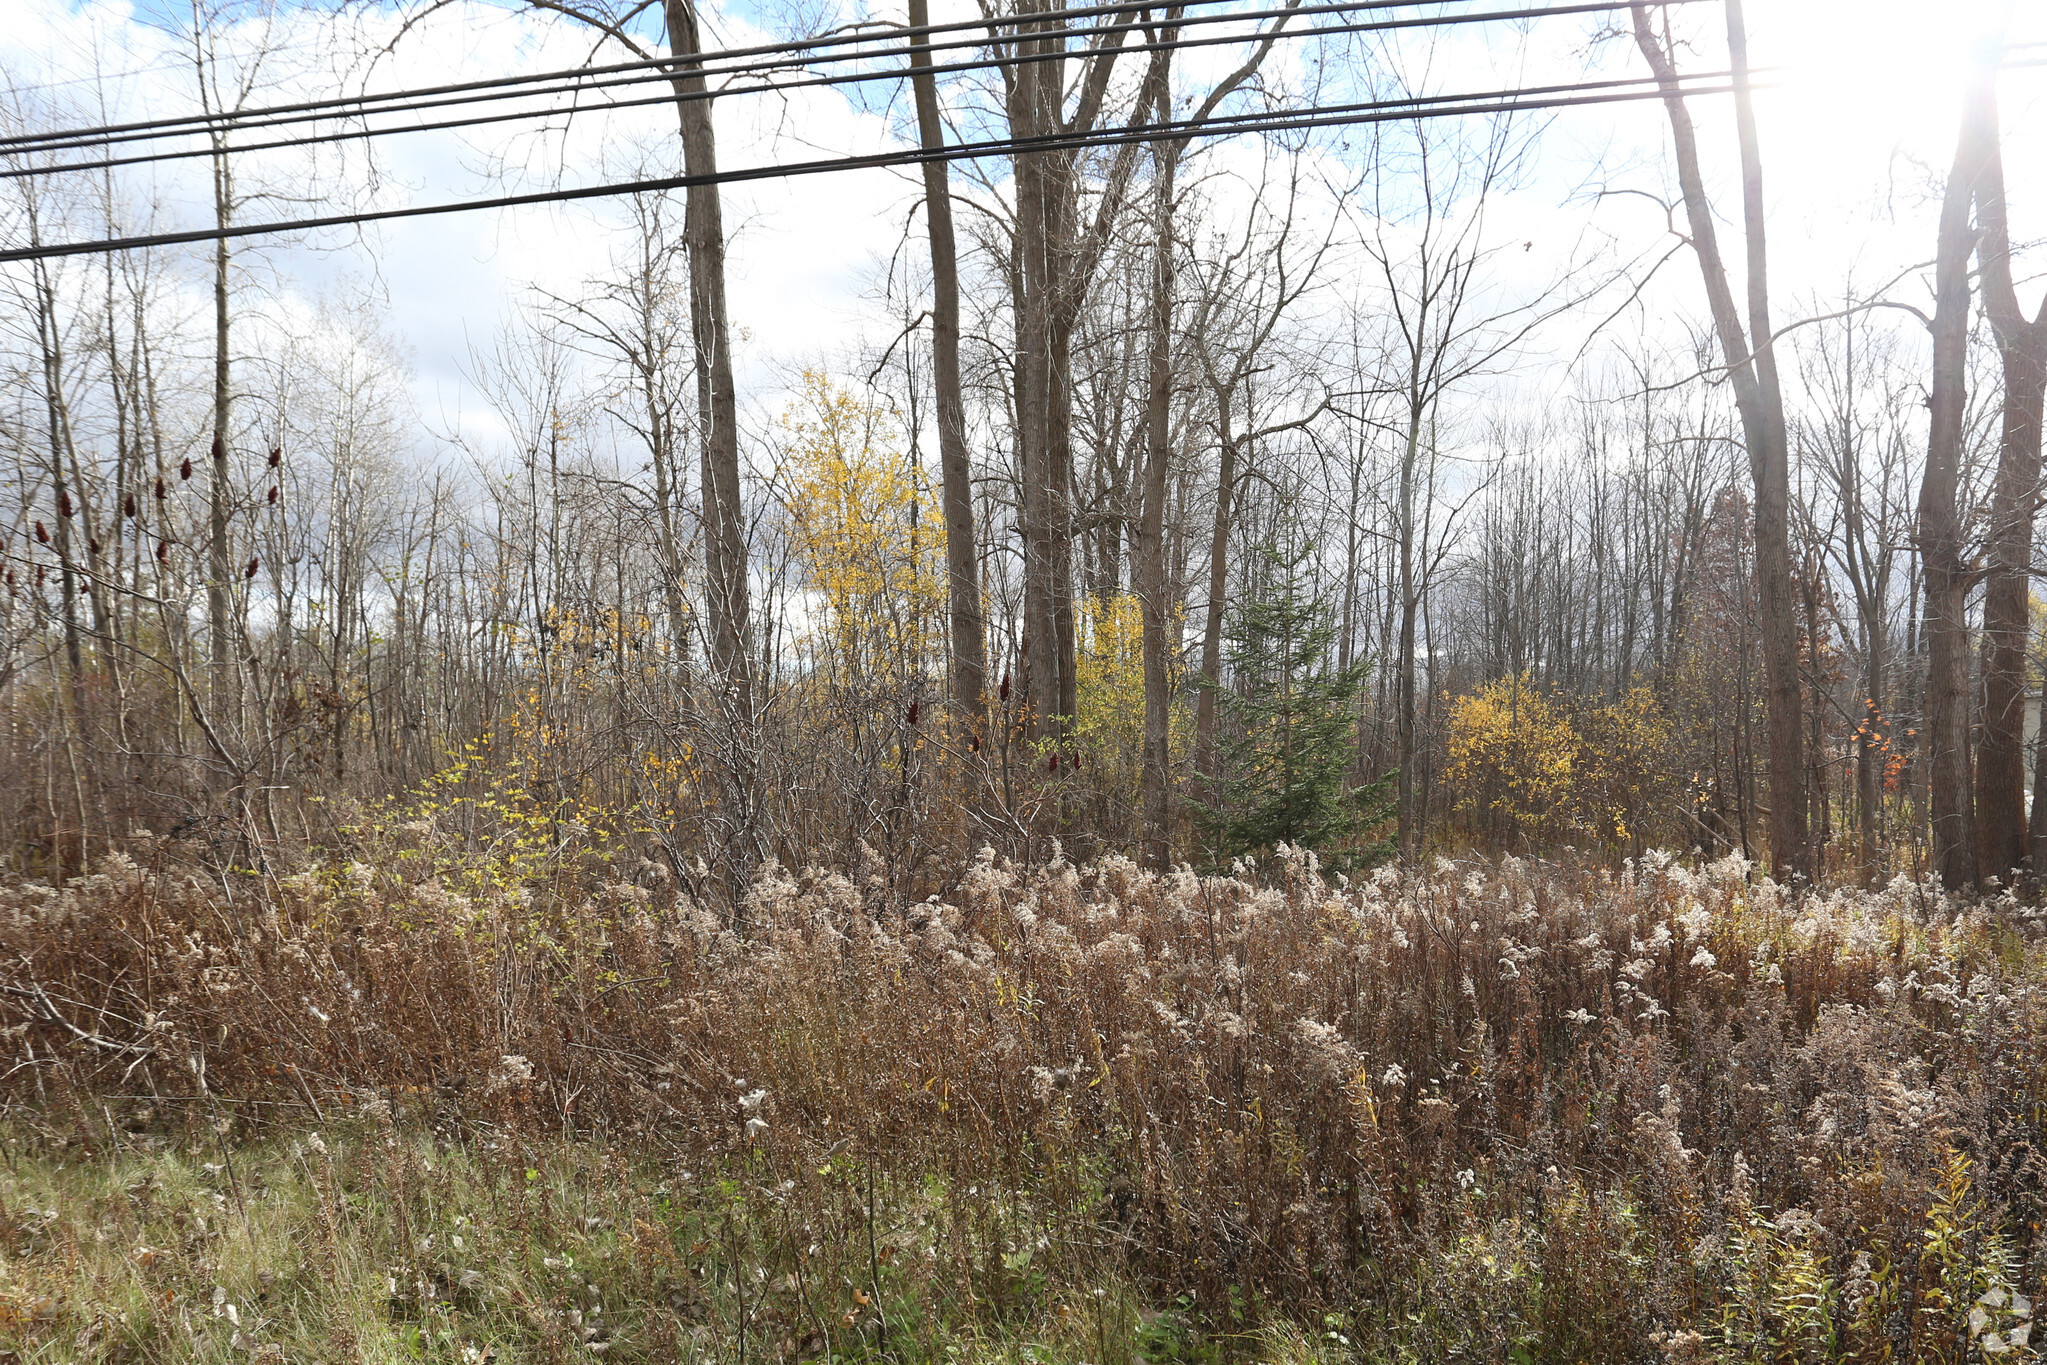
(1011, 574)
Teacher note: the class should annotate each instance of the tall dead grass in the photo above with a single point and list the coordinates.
(1463, 1111)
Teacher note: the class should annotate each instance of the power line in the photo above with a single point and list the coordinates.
(663, 65)
(1500, 102)
(950, 68)
(719, 63)
(503, 88)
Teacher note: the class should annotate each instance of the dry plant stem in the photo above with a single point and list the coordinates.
(1321, 1097)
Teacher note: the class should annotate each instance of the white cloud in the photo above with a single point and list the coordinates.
(1865, 100)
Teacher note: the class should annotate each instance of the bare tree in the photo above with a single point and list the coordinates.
(630, 321)
(1857, 436)
(955, 461)
(1242, 296)
(1058, 249)
(1427, 246)
(1943, 550)
(1751, 368)
(2001, 835)
(232, 49)
(1152, 579)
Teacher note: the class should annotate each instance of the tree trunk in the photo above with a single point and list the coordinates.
(2002, 838)
(1941, 547)
(60, 496)
(1034, 111)
(1152, 578)
(219, 555)
(662, 439)
(1055, 261)
(725, 566)
(1152, 589)
(962, 559)
(1869, 578)
(1059, 480)
(717, 402)
(1407, 818)
(1759, 400)
(2038, 831)
(1218, 594)
(1868, 759)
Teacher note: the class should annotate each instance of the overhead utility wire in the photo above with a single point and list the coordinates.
(663, 65)
(853, 78)
(1504, 102)
(503, 88)
(578, 80)
(719, 63)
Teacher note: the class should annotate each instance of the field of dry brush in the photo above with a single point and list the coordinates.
(1487, 1110)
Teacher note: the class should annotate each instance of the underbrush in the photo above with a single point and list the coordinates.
(367, 1242)
(1487, 1111)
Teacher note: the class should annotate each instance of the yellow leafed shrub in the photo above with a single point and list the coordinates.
(1624, 774)
(1531, 765)
(1511, 751)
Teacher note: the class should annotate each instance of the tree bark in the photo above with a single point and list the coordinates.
(1752, 371)
(955, 463)
(725, 562)
(1153, 593)
(1949, 575)
(1034, 109)
(2002, 841)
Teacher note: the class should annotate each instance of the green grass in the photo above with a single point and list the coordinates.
(376, 1243)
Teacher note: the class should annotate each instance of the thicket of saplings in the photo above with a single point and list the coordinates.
(423, 1100)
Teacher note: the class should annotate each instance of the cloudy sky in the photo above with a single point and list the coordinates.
(1857, 126)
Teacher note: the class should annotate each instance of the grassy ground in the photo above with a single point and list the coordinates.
(1507, 1112)
(372, 1242)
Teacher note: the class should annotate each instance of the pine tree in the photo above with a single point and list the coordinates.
(1289, 739)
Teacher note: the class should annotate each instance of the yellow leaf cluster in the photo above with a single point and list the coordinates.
(1109, 686)
(863, 542)
(1530, 763)
(1625, 771)
(1510, 755)
(1109, 671)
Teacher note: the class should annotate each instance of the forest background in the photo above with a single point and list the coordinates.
(414, 520)
(1403, 740)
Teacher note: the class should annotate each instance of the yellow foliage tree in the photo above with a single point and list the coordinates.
(1625, 773)
(856, 520)
(1108, 724)
(1511, 752)
(1109, 674)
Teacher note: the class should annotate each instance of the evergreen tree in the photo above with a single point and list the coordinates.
(1289, 740)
